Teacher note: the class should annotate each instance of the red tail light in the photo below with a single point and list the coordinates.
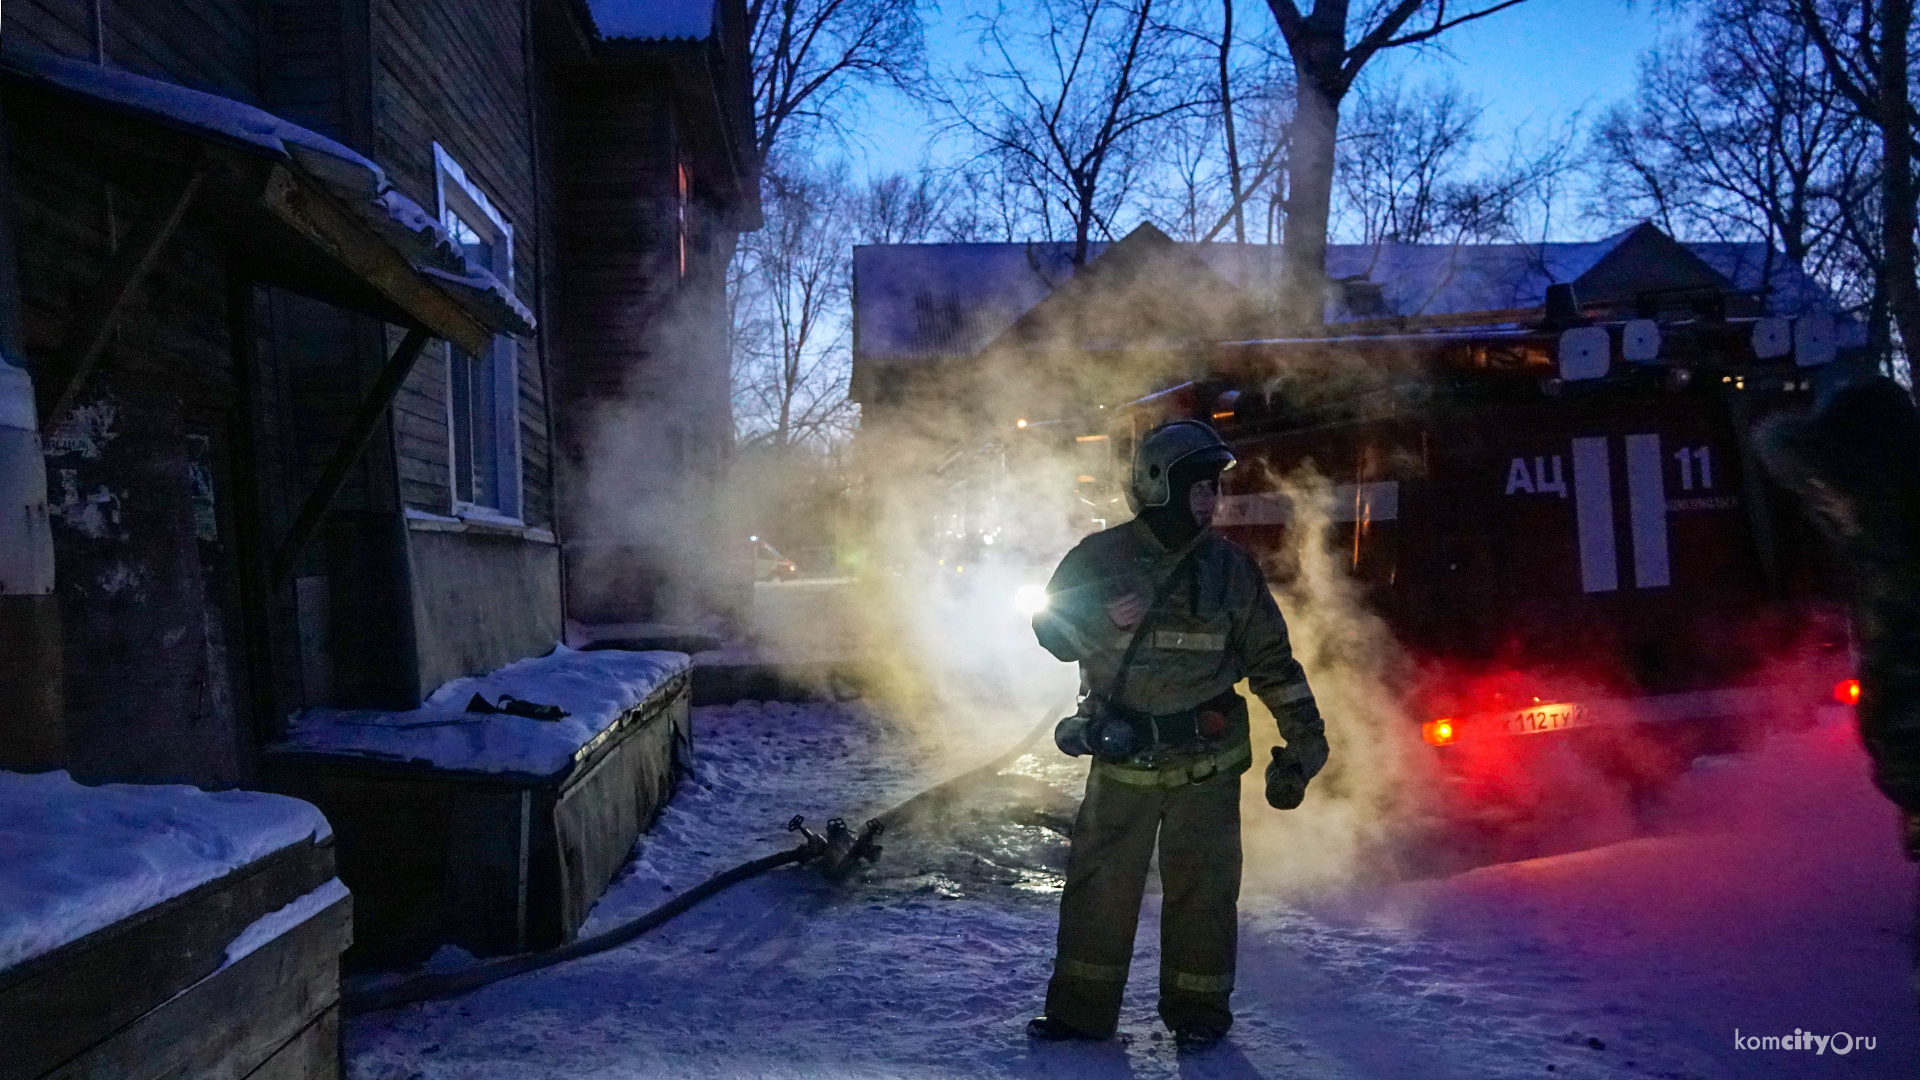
(1438, 732)
(1847, 691)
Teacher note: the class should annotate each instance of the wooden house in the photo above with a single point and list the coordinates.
(331, 307)
(1000, 327)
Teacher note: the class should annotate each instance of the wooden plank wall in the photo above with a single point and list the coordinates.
(456, 72)
(646, 381)
(206, 44)
(141, 496)
(58, 26)
(621, 261)
(313, 68)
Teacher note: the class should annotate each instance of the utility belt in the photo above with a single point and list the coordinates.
(1117, 734)
(1179, 770)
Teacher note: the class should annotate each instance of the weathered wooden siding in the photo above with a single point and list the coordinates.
(420, 432)
(313, 65)
(456, 72)
(207, 44)
(60, 26)
(644, 421)
(141, 492)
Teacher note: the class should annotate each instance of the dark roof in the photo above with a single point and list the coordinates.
(921, 301)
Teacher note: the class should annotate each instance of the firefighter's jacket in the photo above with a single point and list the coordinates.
(1218, 625)
(1856, 462)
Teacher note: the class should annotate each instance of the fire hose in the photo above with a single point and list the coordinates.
(841, 851)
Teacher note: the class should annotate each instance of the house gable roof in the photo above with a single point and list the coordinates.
(1143, 283)
(916, 302)
(1646, 259)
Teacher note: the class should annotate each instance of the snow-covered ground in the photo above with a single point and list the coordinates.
(1770, 900)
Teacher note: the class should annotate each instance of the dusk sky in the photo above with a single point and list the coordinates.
(1530, 66)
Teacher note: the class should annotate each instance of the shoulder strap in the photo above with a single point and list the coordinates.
(1140, 630)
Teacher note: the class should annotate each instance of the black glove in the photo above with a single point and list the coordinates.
(1286, 780)
(1070, 735)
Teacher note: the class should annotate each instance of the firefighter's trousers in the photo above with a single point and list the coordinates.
(1198, 828)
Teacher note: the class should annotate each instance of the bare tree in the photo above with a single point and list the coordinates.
(1403, 162)
(907, 208)
(1413, 170)
(1069, 94)
(1216, 162)
(1330, 45)
(1865, 47)
(808, 55)
(1739, 133)
(1734, 135)
(789, 292)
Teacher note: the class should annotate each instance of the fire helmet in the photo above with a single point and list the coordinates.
(1166, 446)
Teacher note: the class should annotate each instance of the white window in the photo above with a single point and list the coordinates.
(482, 391)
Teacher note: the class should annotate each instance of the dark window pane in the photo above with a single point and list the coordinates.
(461, 405)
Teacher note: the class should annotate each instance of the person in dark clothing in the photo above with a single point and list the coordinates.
(1165, 616)
(1855, 461)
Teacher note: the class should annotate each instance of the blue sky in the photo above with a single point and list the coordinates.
(1544, 59)
(1530, 67)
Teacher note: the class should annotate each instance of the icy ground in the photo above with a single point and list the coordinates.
(1771, 900)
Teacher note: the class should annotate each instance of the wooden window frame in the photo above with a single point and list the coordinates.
(459, 197)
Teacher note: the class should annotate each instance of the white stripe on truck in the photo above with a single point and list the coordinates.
(1647, 511)
(1593, 513)
(1378, 501)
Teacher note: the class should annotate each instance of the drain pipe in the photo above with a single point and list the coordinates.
(31, 727)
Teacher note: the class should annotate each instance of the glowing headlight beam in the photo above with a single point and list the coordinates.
(1030, 599)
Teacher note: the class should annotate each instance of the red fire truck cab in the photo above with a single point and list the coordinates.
(1564, 528)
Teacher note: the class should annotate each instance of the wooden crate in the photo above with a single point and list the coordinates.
(148, 997)
(492, 862)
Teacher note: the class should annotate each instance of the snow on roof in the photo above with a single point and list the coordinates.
(915, 301)
(1749, 266)
(81, 858)
(198, 112)
(926, 300)
(653, 19)
(1442, 279)
(595, 688)
(371, 196)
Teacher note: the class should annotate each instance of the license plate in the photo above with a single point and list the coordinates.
(1544, 718)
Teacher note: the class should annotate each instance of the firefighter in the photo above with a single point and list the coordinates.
(1165, 616)
(1855, 461)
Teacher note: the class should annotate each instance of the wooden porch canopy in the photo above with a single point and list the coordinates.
(293, 209)
(297, 209)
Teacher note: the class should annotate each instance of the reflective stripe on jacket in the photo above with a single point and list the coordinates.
(1218, 625)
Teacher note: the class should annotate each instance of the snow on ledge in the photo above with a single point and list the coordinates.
(78, 859)
(274, 923)
(595, 688)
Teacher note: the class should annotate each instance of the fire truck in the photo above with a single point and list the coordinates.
(1562, 522)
